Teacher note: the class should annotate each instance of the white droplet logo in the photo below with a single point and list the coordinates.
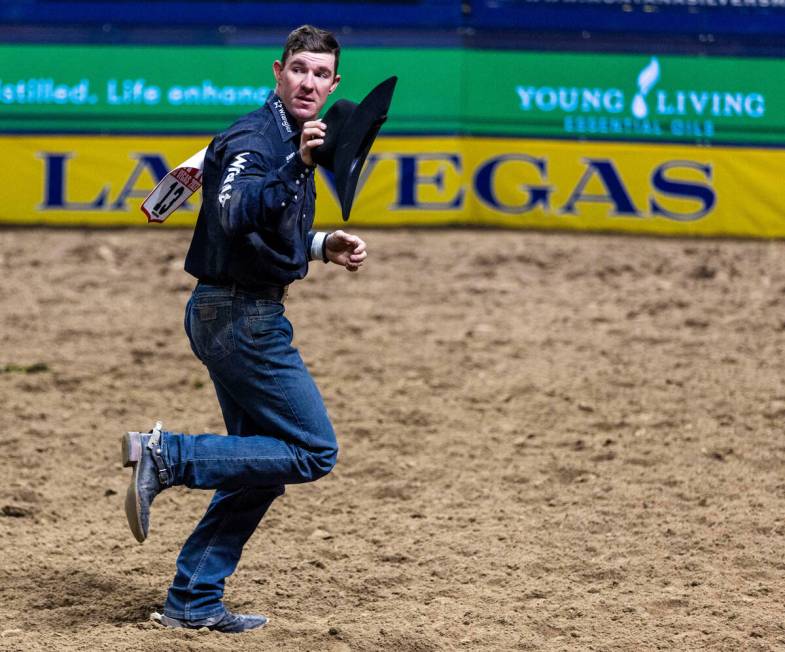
(647, 78)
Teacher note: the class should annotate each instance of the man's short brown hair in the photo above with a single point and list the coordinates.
(308, 38)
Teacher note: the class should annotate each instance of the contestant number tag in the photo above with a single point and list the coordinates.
(174, 189)
(171, 193)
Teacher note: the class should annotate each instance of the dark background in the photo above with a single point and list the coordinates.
(723, 27)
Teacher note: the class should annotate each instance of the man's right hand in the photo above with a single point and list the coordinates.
(311, 136)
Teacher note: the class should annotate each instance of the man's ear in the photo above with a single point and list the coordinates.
(335, 83)
(277, 68)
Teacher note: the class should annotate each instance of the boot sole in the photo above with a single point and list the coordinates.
(132, 452)
(174, 623)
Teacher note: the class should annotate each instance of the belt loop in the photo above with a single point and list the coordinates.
(234, 289)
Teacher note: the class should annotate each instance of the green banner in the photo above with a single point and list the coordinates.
(637, 97)
(136, 89)
(197, 89)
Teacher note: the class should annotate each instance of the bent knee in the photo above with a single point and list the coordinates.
(321, 462)
(324, 461)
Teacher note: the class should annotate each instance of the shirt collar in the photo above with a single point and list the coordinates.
(286, 124)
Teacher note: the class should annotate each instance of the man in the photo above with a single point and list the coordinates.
(252, 239)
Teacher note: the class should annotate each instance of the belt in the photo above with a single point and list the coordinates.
(262, 291)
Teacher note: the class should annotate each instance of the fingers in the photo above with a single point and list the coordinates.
(314, 124)
(313, 134)
(352, 250)
(355, 261)
(349, 242)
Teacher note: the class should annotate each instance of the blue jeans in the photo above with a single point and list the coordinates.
(279, 433)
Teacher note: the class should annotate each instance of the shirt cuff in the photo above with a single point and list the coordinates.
(317, 246)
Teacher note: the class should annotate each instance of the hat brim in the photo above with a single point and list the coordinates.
(357, 138)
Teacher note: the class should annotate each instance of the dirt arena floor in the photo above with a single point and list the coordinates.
(549, 442)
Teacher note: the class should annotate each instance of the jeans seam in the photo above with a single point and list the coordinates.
(231, 459)
(288, 402)
(202, 561)
(278, 384)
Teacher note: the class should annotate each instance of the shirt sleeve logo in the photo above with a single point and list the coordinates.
(235, 167)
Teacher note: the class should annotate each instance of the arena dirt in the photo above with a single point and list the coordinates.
(548, 442)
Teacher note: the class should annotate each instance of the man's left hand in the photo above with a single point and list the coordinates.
(346, 250)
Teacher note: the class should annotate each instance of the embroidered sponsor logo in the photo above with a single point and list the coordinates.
(236, 166)
(282, 114)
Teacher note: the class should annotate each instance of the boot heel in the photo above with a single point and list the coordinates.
(132, 448)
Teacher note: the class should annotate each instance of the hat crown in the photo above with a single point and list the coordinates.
(351, 130)
(338, 115)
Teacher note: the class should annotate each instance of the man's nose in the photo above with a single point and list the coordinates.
(308, 80)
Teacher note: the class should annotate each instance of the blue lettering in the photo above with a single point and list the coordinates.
(682, 190)
(158, 170)
(616, 192)
(484, 184)
(410, 180)
(56, 182)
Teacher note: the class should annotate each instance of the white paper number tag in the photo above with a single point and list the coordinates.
(174, 189)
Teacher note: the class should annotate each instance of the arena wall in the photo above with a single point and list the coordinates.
(641, 142)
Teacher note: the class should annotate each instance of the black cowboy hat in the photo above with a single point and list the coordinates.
(351, 130)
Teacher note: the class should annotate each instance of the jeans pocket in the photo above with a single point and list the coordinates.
(212, 331)
(264, 317)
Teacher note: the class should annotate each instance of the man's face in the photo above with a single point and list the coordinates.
(304, 83)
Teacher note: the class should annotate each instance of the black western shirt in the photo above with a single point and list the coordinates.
(258, 201)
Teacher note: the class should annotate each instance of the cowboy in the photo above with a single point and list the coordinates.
(252, 239)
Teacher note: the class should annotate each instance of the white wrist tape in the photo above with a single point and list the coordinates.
(317, 245)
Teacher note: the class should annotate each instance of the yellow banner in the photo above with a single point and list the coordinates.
(642, 188)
